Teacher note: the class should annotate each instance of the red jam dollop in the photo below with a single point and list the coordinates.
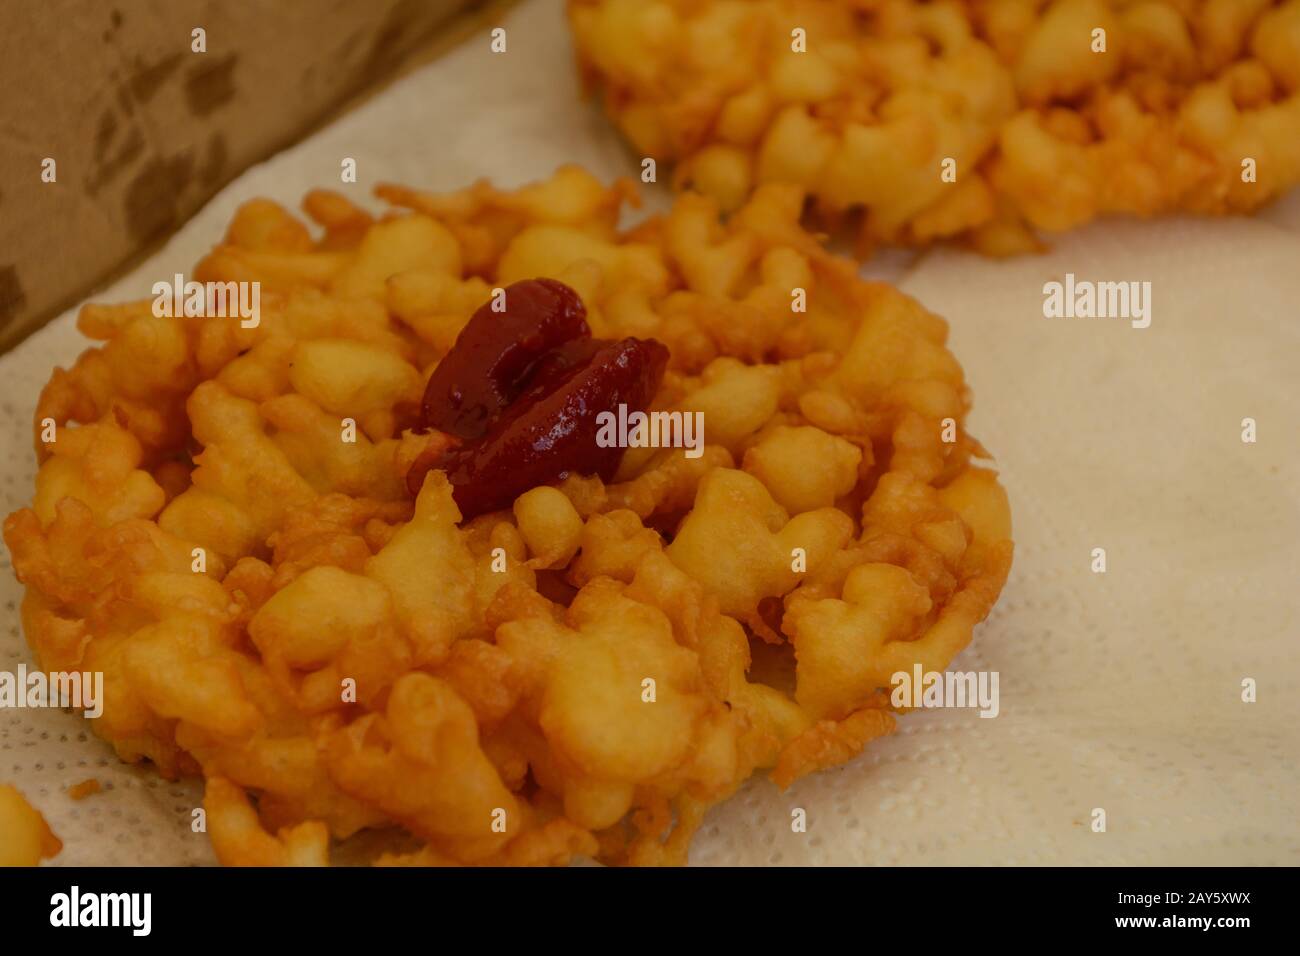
(521, 391)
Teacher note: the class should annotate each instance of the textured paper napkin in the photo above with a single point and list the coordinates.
(1119, 691)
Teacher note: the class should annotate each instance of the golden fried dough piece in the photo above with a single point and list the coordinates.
(239, 839)
(25, 837)
(85, 788)
(583, 672)
(981, 120)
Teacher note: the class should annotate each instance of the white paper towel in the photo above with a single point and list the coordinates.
(1119, 691)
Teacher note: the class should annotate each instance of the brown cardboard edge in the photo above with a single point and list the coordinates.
(434, 43)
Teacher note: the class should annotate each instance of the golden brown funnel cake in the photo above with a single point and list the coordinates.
(1191, 106)
(271, 609)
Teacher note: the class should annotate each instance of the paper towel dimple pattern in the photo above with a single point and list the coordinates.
(1119, 691)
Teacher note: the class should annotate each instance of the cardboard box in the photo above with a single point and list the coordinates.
(119, 119)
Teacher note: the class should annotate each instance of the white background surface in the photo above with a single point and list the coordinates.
(1119, 691)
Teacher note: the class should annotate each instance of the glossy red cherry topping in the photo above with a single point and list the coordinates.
(522, 389)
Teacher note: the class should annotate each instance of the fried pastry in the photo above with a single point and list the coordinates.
(987, 121)
(350, 564)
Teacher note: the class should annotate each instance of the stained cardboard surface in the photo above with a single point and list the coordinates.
(143, 128)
